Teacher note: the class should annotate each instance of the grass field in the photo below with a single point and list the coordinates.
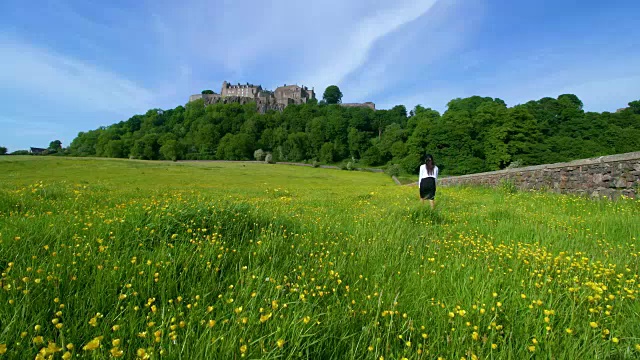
(133, 259)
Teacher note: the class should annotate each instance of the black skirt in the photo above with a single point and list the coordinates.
(428, 188)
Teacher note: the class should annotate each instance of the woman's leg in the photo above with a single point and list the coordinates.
(433, 204)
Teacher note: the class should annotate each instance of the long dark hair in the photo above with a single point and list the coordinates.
(429, 163)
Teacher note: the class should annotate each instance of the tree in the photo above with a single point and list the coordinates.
(235, 147)
(327, 153)
(3, 150)
(634, 106)
(207, 92)
(297, 145)
(332, 95)
(55, 145)
(146, 148)
(115, 149)
(171, 150)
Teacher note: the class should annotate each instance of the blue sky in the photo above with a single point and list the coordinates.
(71, 66)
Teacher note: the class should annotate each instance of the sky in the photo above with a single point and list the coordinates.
(71, 66)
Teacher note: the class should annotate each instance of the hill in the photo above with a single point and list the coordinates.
(474, 134)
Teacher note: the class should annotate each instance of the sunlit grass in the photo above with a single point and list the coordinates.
(118, 258)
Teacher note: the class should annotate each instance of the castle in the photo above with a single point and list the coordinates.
(265, 100)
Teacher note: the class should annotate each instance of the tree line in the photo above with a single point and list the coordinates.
(474, 134)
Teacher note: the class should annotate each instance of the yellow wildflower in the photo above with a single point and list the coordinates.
(93, 344)
(265, 317)
(116, 352)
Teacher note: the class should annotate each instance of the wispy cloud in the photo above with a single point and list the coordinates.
(403, 61)
(276, 42)
(61, 79)
(351, 51)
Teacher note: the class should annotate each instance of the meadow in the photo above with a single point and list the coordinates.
(106, 258)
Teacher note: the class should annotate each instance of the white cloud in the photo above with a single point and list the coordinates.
(39, 72)
(280, 41)
(403, 61)
(351, 51)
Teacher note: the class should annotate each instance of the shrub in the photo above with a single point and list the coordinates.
(393, 170)
(350, 166)
(515, 164)
(315, 163)
(259, 155)
(508, 186)
(269, 158)
(411, 163)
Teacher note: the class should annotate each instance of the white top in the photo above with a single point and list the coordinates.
(423, 173)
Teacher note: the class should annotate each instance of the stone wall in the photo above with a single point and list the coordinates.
(262, 104)
(367, 104)
(609, 176)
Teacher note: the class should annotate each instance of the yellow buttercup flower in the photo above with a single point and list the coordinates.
(93, 344)
(116, 352)
(264, 318)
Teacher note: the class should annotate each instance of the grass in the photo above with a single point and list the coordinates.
(117, 258)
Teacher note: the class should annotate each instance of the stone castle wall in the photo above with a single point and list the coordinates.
(609, 176)
(263, 104)
(366, 104)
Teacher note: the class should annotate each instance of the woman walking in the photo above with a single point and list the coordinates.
(427, 180)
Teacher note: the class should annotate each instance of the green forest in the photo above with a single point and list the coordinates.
(474, 134)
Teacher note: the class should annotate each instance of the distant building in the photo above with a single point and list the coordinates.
(265, 100)
(37, 151)
(247, 90)
(295, 94)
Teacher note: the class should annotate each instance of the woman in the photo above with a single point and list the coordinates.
(427, 180)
